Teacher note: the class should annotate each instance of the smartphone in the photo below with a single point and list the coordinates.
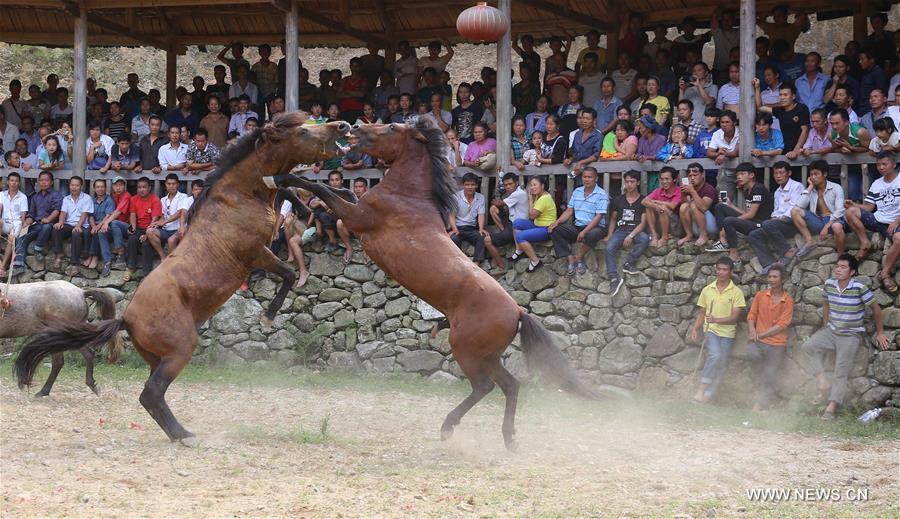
(685, 181)
(723, 196)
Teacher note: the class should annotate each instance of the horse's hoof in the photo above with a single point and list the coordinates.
(190, 441)
(512, 445)
(96, 389)
(41, 394)
(446, 434)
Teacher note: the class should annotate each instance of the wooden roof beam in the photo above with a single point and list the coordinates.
(344, 28)
(565, 12)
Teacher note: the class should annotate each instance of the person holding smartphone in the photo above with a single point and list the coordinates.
(758, 206)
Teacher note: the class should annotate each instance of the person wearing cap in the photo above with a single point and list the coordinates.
(116, 223)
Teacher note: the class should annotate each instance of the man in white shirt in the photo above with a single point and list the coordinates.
(14, 205)
(173, 156)
(434, 59)
(440, 117)
(14, 107)
(730, 93)
(62, 110)
(772, 234)
(73, 222)
(405, 69)
(170, 229)
(700, 90)
(9, 134)
(467, 222)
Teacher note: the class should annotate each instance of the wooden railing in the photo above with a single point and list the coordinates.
(608, 169)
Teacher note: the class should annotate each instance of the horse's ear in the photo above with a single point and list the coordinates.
(418, 135)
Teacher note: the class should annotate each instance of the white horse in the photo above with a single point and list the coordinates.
(28, 308)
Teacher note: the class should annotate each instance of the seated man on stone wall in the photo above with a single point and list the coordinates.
(758, 202)
(144, 209)
(772, 236)
(170, 228)
(698, 201)
(467, 222)
(627, 221)
(360, 188)
(512, 205)
(820, 208)
(588, 204)
(43, 212)
(326, 221)
(663, 206)
(843, 326)
(879, 213)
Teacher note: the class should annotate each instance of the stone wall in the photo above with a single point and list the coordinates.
(354, 317)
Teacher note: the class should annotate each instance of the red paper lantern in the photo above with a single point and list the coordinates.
(482, 23)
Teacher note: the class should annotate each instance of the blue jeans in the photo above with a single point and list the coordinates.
(118, 229)
(717, 351)
(641, 242)
(100, 243)
(526, 230)
(39, 233)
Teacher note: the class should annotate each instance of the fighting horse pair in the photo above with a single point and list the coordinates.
(400, 222)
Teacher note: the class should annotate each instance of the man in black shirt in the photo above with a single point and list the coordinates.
(627, 222)
(150, 145)
(792, 116)
(758, 206)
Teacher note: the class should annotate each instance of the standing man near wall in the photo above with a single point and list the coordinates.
(843, 325)
(720, 305)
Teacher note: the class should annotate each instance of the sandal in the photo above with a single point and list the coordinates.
(516, 256)
(580, 268)
(534, 266)
(827, 416)
(890, 286)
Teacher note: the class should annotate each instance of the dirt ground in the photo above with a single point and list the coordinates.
(260, 455)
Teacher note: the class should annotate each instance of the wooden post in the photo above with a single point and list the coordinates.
(171, 77)
(79, 161)
(748, 72)
(860, 22)
(504, 91)
(292, 66)
(612, 39)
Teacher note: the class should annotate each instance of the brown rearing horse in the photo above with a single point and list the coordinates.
(230, 228)
(401, 225)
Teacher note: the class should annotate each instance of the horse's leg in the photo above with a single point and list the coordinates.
(481, 386)
(510, 387)
(340, 201)
(57, 360)
(303, 209)
(271, 263)
(89, 369)
(153, 397)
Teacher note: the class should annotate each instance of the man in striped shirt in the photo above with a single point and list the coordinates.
(843, 325)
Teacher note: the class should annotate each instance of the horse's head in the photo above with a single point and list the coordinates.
(291, 142)
(389, 141)
(408, 148)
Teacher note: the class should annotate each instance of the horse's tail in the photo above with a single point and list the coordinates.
(60, 337)
(542, 355)
(107, 308)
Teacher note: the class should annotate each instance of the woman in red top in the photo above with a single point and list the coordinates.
(353, 90)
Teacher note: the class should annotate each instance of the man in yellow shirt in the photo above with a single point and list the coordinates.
(720, 305)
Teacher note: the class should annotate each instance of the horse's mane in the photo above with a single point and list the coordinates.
(227, 160)
(443, 183)
(238, 151)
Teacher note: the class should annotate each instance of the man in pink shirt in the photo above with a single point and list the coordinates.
(662, 207)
